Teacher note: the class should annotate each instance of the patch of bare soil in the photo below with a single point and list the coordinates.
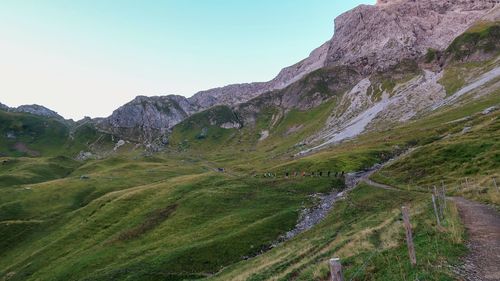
(19, 146)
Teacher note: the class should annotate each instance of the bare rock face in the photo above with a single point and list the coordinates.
(228, 95)
(34, 109)
(377, 37)
(146, 118)
(291, 74)
(3, 107)
(240, 93)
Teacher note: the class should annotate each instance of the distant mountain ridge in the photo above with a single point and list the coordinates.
(368, 39)
(33, 109)
(130, 120)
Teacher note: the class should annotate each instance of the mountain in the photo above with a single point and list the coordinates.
(376, 37)
(34, 109)
(273, 186)
(3, 107)
(353, 99)
(145, 118)
(369, 38)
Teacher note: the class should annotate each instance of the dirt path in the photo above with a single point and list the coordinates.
(380, 185)
(483, 228)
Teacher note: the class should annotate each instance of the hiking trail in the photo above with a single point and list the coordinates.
(483, 228)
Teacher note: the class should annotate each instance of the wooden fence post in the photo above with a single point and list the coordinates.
(336, 270)
(409, 236)
(439, 201)
(443, 190)
(435, 210)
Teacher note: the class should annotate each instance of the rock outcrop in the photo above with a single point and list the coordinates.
(146, 118)
(38, 110)
(34, 109)
(3, 107)
(374, 38)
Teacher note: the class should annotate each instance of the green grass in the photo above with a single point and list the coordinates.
(483, 37)
(16, 171)
(27, 135)
(457, 75)
(454, 156)
(386, 81)
(170, 216)
(366, 232)
(122, 220)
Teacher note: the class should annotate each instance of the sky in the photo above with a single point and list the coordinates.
(88, 57)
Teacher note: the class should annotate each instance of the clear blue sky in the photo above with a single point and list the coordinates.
(89, 57)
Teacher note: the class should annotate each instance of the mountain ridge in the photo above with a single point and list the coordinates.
(420, 27)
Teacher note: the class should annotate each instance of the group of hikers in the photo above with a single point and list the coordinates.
(306, 174)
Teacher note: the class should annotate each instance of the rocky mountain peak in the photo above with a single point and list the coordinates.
(3, 107)
(377, 37)
(34, 109)
(38, 110)
(368, 39)
(145, 118)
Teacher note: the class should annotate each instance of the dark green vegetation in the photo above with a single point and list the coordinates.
(24, 134)
(387, 80)
(483, 37)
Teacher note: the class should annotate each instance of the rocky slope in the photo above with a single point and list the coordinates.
(34, 109)
(146, 118)
(375, 38)
(369, 39)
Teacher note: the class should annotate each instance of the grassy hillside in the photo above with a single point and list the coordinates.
(483, 37)
(29, 135)
(366, 232)
(24, 134)
(172, 215)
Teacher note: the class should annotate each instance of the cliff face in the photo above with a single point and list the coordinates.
(145, 118)
(240, 93)
(377, 37)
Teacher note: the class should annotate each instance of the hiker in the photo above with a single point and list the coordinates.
(286, 175)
